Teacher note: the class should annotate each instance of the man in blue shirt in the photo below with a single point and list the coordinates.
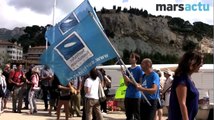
(132, 98)
(150, 87)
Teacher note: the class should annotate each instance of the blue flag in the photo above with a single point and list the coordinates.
(69, 22)
(82, 48)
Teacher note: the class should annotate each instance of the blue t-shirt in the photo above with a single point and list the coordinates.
(148, 81)
(191, 100)
(131, 91)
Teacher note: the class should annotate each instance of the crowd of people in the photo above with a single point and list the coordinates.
(144, 99)
(23, 86)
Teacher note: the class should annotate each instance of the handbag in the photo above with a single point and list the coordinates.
(101, 94)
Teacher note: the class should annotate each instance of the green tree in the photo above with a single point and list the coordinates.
(208, 58)
(189, 46)
(145, 13)
(13, 40)
(118, 9)
(4, 58)
(125, 10)
(34, 36)
(202, 29)
(126, 55)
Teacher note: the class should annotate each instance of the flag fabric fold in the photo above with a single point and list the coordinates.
(62, 28)
(80, 45)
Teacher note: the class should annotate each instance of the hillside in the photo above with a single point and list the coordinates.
(6, 34)
(155, 34)
(136, 30)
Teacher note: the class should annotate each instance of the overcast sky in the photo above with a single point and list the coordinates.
(21, 13)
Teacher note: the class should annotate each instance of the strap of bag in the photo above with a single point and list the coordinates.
(167, 89)
(163, 94)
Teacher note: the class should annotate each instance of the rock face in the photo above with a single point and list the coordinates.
(148, 34)
(6, 34)
(145, 33)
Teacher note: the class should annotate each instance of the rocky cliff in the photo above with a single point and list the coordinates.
(6, 34)
(137, 30)
(151, 34)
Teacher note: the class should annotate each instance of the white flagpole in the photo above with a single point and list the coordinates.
(53, 23)
(54, 9)
(132, 78)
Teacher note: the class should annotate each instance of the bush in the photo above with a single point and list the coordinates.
(118, 10)
(208, 58)
(203, 29)
(145, 13)
(125, 10)
(114, 7)
(188, 46)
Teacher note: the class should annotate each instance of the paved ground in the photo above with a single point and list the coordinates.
(43, 115)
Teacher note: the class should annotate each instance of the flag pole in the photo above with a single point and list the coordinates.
(53, 23)
(132, 78)
(54, 9)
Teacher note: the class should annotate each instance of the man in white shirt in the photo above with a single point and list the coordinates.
(91, 95)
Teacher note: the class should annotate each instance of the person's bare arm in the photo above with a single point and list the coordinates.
(87, 89)
(63, 87)
(151, 90)
(127, 80)
(181, 92)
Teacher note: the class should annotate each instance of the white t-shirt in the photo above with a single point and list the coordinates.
(167, 84)
(3, 83)
(167, 89)
(93, 85)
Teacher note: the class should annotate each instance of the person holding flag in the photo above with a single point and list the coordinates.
(72, 51)
(150, 87)
(133, 96)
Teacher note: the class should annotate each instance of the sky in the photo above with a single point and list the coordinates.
(22, 13)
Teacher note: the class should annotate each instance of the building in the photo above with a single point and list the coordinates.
(10, 51)
(34, 53)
